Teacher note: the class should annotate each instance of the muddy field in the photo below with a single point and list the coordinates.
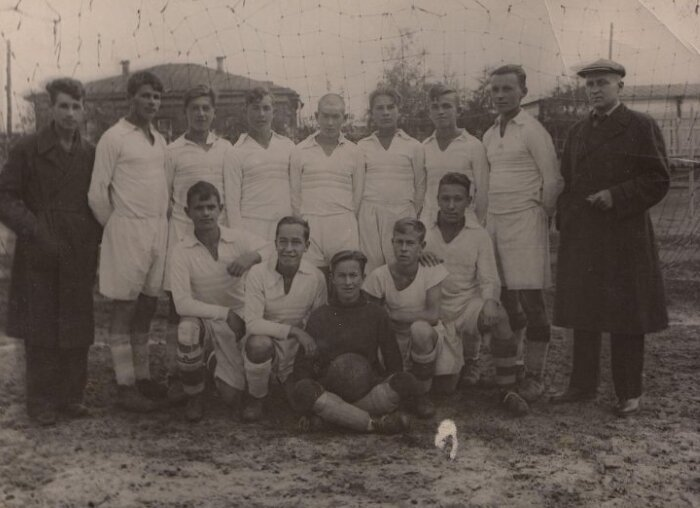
(578, 455)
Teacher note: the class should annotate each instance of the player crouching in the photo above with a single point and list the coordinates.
(206, 275)
(411, 294)
(344, 382)
(470, 295)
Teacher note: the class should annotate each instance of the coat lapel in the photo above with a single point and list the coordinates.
(595, 138)
(55, 171)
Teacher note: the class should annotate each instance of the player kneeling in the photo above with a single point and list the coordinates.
(206, 273)
(470, 295)
(344, 382)
(411, 294)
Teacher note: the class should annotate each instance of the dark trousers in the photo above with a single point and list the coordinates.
(526, 307)
(56, 377)
(626, 360)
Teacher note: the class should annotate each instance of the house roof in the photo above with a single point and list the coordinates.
(661, 91)
(646, 92)
(178, 77)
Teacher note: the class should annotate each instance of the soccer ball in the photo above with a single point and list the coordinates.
(349, 376)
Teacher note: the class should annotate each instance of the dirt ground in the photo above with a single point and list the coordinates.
(559, 456)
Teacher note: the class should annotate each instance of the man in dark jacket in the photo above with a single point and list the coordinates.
(43, 199)
(343, 381)
(608, 279)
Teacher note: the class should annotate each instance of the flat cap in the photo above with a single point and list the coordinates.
(602, 65)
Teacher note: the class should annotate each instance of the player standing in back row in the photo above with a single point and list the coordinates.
(129, 197)
(523, 189)
(451, 149)
(327, 176)
(394, 178)
(256, 178)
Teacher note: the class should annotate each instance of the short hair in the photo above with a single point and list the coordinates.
(349, 255)
(512, 69)
(330, 97)
(408, 225)
(453, 178)
(289, 220)
(68, 86)
(200, 91)
(437, 91)
(202, 190)
(389, 92)
(139, 79)
(256, 95)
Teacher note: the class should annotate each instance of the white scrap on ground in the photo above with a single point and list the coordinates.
(446, 430)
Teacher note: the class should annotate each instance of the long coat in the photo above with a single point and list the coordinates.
(608, 276)
(43, 199)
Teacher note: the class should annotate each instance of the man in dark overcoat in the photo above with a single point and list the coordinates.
(608, 278)
(43, 199)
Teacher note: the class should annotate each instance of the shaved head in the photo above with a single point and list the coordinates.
(331, 99)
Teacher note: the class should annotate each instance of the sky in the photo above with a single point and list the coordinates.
(316, 46)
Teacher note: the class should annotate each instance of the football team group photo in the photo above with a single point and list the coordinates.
(361, 281)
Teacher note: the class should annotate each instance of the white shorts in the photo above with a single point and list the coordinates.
(132, 257)
(446, 358)
(376, 224)
(219, 337)
(451, 360)
(285, 351)
(521, 244)
(329, 235)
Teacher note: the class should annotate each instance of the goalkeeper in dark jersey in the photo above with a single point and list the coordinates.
(355, 379)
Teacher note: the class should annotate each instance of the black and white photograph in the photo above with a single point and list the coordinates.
(367, 253)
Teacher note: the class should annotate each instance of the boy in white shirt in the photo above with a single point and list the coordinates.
(326, 174)
(129, 197)
(411, 294)
(450, 148)
(206, 274)
(523, 189)
(470, 295)
(256, 177)
(279, 296)
(394, 178)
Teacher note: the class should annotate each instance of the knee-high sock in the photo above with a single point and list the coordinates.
(122, 358)
(471, 344)
(423, 369)
(520, 343)
(139, 344)
(190, 361)
(536, 358)
(257, 376)
(380, 400)
(504, 359)
(171, 361)
(333, 409)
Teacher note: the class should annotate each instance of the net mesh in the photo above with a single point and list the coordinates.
(312, 47)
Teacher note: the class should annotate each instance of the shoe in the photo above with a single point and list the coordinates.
(311, 423)
(131, 399)
(253, 410)
(46, 417)
(423, 407)
(628, 407)
(151, 389)
(515, 404)
(530, 389)
(75, 410)
(573, 395)
(194, 411)
(176, 392)
(470, 373)
(392, 423)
